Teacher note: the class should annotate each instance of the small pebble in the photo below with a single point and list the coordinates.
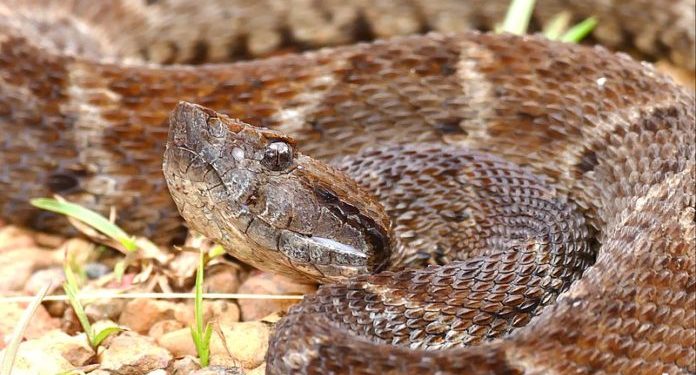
(247, 343)
(17, 266)
(164, 326)
(11, 313)
(96, 270)
(221, 311)
(141, 314)
(53, 353)
(184, 366)
(130, 353)
(266, 283)
(222, 278)
(102, 309)
(54, 276)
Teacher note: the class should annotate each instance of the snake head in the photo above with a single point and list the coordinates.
(253, 192)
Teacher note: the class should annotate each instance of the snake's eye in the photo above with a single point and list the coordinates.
(277, 156)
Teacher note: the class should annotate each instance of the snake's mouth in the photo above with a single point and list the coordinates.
(249, 189)
(318, 258)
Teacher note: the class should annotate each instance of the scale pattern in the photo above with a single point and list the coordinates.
(70, 78)
(179, 31)
(610, 135)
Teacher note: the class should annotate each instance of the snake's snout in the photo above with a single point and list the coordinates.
(186, 123)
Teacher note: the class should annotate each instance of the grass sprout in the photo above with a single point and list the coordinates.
(88, 217)
(557, 25)
(94, 338)
(96, 221)
(201, 336)
(215, 251)
(519, 14)
(517, 17)
(578, 32)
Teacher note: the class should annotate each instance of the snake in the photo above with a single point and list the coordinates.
(472, 202)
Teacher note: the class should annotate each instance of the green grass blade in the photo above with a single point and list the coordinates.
(194, 336)
(557, 25)
(216, 250)
(120, 269)
(196, 340)
(579, 31)
(517, 17)
(88, 217)
(201, 337)
(204, 355)
(198, 302)
(208, 333)
(104, 333)
(70, 288)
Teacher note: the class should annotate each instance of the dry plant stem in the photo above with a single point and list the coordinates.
(117, 295)
(10, 351)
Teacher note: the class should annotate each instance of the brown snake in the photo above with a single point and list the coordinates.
(555, 181)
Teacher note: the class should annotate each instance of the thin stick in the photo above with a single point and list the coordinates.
(116, 295)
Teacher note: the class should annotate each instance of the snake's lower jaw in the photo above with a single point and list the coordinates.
(323, 259)
(298, 256)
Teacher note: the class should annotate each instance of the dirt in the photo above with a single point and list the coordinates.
(156, 335)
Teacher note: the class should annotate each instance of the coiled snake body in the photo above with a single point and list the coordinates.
(554, 181)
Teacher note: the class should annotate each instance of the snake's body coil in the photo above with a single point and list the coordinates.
(601, 145)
